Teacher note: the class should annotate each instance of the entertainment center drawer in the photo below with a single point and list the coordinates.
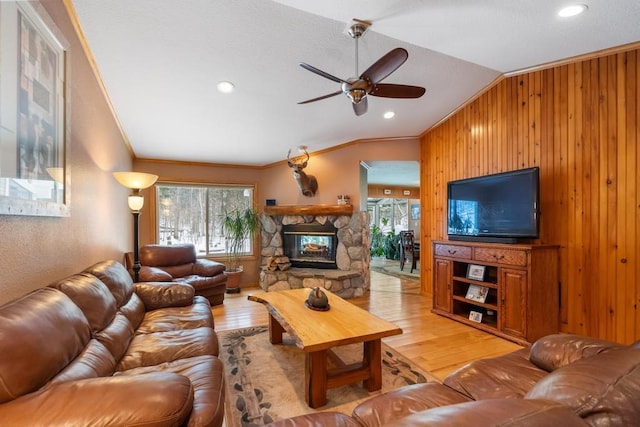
(453, 251)
(501, 256)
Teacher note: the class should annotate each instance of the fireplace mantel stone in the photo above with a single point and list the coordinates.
(350, 279)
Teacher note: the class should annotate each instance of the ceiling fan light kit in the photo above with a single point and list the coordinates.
(369, 82)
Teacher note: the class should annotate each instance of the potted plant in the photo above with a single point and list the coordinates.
(237, 226)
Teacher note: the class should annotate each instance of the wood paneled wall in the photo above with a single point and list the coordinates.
(580, 124)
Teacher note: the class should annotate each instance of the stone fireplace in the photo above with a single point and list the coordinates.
(328, 247)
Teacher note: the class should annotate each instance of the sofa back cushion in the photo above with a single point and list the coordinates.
(40, 334)
(93, 362)
(116, 278)
(92, 296)
(167, 255)
(558, 350)
(603, 389)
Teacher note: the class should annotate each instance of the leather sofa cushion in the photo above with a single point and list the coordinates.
(159, 399)
(204, 282)
(57, 325)
(508, 376)
(94, 361)
(117, 336)
(602, 389)
(167, 255)
(206, 267)
(116, 278)
(164, 294)
(558, 350)
(160, 347)
(497, 412)
(92, 296)
(178, 318)
(206, 376)
(134, 310)
(394, 405)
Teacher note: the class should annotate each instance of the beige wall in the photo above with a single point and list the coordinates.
(337, 172)
(38, 250)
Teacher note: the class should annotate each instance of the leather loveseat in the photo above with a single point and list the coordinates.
(95, 349)
(178, 263)
(561, 380)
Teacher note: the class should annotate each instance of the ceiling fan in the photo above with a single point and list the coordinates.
(357, 88)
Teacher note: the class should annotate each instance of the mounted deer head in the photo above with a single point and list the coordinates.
(307, 183)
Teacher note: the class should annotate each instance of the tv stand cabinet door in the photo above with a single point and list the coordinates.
(442, 284)
(513, 302)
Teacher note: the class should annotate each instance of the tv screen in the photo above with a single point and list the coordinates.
(500, 207)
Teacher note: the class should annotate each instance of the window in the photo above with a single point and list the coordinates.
(193, 213)
(389, 214)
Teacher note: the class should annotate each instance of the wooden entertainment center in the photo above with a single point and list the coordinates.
(508, 290)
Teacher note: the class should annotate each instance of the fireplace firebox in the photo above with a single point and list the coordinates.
(311, 245)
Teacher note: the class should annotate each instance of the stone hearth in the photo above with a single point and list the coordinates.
(350, 279)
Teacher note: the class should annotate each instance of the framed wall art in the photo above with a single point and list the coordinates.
(34, 178)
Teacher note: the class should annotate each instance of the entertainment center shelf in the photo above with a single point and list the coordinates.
(507, 290)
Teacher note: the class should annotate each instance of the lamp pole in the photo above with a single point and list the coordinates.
(136, 257)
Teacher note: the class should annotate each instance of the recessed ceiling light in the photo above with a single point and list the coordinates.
(573, 10)
(225, 87)
(388, 115)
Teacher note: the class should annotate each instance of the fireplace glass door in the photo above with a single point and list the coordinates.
(311, 245)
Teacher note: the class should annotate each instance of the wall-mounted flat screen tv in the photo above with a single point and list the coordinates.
(496, 208)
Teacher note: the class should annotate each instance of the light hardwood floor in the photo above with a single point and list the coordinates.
(436, 344)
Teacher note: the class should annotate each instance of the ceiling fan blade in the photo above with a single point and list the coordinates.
(321, 73)
(361, 107)
(321, 97)
(397, 91)
(385, 65)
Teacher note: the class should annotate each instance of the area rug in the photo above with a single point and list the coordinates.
(393, 269)
(265, 382)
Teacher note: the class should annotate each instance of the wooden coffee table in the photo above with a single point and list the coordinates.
(317, 332)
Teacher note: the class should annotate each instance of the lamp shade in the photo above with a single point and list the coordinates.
(135, 180)
(136, 202)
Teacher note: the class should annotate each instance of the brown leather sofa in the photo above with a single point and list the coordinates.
(178, 263)
(95, 349)
(561, 379)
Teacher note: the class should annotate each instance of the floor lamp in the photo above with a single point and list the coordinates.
(136, 181)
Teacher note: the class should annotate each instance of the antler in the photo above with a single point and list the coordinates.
(289, 155)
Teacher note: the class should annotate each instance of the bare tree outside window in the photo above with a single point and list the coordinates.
(193, 214)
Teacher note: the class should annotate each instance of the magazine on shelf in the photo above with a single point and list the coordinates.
(477, 293)
(475, 316)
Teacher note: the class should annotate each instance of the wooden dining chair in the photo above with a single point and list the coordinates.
(408, 250)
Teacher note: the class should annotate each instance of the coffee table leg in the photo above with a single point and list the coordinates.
(315, 379)
(275, 331)
(372, 357)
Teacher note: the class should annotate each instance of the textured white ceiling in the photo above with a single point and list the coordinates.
(161, 59)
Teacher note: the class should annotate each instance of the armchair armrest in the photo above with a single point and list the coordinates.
(206, 267)
(558, 350)
(158, 399)
(153, 274)
(156, 295)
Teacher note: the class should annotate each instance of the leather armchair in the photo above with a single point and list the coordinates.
(178, 263)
